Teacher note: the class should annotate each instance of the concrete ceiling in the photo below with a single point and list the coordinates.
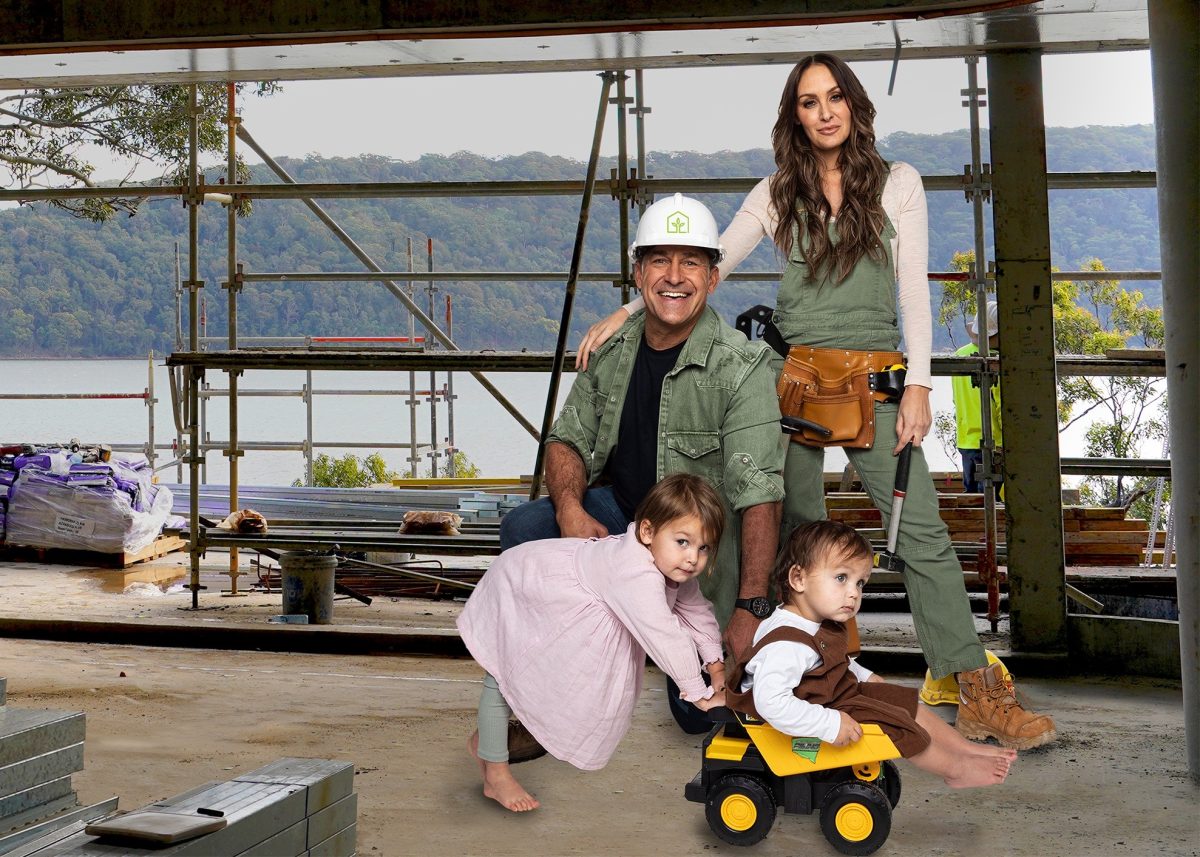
(85, 43)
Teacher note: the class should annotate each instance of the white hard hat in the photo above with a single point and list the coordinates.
(993, 321)
(679, 221)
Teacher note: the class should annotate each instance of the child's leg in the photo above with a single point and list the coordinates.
(961, 767)
(489, 745)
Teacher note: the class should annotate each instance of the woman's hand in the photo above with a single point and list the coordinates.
(597, 335)
(915, 417)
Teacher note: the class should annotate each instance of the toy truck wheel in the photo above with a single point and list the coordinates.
(891, 782)
(856, 818)
(740, 810)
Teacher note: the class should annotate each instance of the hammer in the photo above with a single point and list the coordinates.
(887, 560)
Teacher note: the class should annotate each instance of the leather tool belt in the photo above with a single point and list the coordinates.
(827, 396)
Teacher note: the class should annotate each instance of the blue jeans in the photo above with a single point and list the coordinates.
(971, 460)
(535, 521)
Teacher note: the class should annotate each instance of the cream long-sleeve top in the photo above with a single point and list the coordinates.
(773, 673)
(904, 202)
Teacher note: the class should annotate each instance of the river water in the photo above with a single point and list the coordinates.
(489, 436)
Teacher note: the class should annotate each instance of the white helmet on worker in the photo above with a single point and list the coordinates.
(993, 321)
(677, 221)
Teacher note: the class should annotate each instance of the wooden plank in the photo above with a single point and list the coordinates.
(161, 546)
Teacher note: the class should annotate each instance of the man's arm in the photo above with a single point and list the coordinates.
(760, 541)
(566, 483)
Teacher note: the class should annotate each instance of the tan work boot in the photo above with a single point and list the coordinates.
(988, 708)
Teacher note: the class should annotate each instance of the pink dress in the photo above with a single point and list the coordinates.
(564, 626)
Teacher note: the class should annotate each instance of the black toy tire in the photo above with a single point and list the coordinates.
(891, 782)
(856, 818)
(740, 810)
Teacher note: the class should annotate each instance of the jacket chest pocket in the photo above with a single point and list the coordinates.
(697, 452)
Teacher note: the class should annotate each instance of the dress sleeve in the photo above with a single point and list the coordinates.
(696, 615)
(753, 221)
(906, 206)
(638, 600)
(777, 669)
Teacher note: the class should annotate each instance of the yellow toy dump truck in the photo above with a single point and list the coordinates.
(749, 769)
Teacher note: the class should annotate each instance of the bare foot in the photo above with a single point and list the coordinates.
(983, 770)
(499, 784)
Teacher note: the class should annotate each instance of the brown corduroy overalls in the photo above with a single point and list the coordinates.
(833, 685)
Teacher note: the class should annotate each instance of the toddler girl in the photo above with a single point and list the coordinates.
(798, 678)
(563, 627)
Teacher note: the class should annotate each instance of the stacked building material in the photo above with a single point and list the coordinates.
(57, 499)
(39, 751)
(289, 808)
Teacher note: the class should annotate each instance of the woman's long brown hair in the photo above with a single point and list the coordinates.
(796, 191)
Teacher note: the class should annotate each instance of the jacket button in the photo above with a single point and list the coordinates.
(745, 460)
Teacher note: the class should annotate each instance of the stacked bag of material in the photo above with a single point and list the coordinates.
(64, 498)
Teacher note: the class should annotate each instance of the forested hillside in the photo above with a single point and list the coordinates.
(74, 288)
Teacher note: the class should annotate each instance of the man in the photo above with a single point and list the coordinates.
(967, 408)
(675, 390)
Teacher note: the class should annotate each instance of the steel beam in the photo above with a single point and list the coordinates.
(1036, 563)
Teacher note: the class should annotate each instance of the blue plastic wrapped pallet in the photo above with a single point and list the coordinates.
(58, 500)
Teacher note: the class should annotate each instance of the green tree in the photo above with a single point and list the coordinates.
(46, 133)
(1094, 317)
(461, 467)
(958, 304)
(349, 471)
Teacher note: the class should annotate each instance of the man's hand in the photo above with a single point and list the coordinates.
(575, 523)
(848, 732)
(739, 633)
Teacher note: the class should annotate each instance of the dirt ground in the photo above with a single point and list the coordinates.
(163, 720)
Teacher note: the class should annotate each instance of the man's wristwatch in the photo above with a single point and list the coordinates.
(760, 607)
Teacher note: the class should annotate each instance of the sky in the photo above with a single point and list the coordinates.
(703, 109)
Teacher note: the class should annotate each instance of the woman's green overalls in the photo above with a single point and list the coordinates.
(860, 313)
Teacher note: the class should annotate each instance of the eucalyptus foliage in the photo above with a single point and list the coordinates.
(49, 136)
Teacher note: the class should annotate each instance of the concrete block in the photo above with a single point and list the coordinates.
(326, 822)
(34, 796)
(34, 771)
(27, 732)
(341, 844)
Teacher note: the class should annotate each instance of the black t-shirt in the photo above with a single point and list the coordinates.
(633, 464)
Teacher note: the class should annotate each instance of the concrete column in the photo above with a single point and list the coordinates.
(1175, 69)
(1021, 217)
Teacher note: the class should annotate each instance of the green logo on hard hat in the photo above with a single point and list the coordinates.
(678, 223)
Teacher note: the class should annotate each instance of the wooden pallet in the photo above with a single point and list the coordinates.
(160, 547)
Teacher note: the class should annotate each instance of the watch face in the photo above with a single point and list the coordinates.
(760, 607)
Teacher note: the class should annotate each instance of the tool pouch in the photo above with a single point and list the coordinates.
(834, 388)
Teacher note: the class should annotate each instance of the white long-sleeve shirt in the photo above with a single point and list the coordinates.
(777, 669)
(904, 202)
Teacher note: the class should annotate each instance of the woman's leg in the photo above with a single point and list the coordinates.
(933, 577)
(489, 745)
(804, 487)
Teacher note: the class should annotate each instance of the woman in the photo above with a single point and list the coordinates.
(853, 231)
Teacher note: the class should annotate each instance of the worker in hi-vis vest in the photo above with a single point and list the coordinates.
(967, 407)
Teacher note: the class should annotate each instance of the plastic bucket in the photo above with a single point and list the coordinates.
(307, 582)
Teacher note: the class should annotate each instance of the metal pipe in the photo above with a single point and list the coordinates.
(342, 236)
(232, 286)
(412, 379)
(433, 435)
(196, 374)
(622, 185)
(150, 403)
(308, 428)
(564, 326)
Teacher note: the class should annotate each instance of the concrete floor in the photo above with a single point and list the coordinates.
(162, 720)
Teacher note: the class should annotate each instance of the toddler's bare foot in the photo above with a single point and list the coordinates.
(501, 786)
(981, 770)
